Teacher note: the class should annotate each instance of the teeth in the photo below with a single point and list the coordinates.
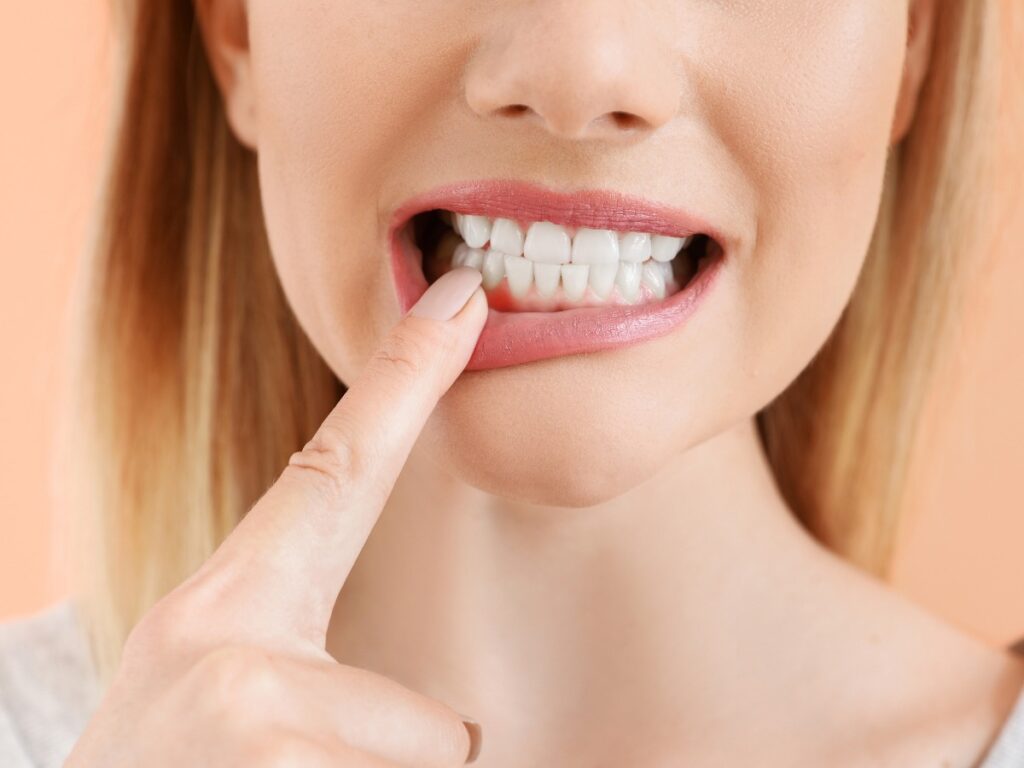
(574, 280)
(547, 243)
(655, 276)
(628, 279)
(507, 237)
(552, 257)
(546, 276)
(493, 269)
(602, 278)
(520, 275)
(465, 256)
(634, 247)
(665, 248)
(475, 230)
(595, 246)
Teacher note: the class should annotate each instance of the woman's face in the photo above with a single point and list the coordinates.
(767, 120)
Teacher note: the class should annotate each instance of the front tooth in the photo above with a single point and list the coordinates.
(628, 279)
(519, 272)
(665, 248)
(602, 278)
(507, 237)
(547, 243)
(494, 269)
(546, 276)
(459, 255)
(475, 230)
(654, 278)
(595, 246)
(574, 280)
(634, 247)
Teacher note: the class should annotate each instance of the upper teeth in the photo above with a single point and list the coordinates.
(548, 253)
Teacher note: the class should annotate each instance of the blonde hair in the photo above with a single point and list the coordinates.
(201, 382)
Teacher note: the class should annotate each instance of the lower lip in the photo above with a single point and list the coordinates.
(514, 338)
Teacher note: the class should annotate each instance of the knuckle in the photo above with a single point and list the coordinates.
(236, 679)
(329, 462)
(166, 628)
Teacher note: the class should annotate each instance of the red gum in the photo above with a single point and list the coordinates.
(513, 338)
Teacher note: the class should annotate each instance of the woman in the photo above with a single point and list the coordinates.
(673, 275)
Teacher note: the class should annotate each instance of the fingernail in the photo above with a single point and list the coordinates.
(448, 294)
(475, 733)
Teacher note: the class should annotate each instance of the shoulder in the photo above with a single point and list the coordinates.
(47, 687)
(1007, 751)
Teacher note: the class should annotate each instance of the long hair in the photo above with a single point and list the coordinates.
(200, 382)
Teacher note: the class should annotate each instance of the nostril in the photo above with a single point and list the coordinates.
(512, 110)
(626, 120)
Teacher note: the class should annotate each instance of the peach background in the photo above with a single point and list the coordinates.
(963, 558)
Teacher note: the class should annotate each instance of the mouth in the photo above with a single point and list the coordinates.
(564, 273)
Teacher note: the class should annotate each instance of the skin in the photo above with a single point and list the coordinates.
(605, 575)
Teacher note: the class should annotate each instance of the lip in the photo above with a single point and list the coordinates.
(514, 338)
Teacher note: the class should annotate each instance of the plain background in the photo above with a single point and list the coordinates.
(963, 552)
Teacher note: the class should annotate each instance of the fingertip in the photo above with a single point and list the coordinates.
(448, 296)
(475, 738)
(474, 313)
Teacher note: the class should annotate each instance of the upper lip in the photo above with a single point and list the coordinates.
(592, 208)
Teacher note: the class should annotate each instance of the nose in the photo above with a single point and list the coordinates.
(579, 68)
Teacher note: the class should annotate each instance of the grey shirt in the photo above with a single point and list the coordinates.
(48, 689)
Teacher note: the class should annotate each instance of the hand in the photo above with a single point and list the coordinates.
(230, 669)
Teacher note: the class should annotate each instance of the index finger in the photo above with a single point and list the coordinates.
(298, 544)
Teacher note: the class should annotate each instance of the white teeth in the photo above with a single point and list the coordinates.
(574, 280)
(519, 272)
(507, 237)
(546, 276)
(551, 257)
(475, 230)
(493, 269)
(628, 279)
(602, 278)
(655, 276)
(634, 247)
(595, 246)
(665, 248)
(547, 243)
(465, 256)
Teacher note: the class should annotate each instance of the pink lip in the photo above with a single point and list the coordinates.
(513, 338)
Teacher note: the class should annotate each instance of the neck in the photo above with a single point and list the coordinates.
(688, 594)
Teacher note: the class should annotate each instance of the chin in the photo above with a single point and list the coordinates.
(552, 433)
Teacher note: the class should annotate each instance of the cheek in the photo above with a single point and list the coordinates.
(335, 96)
(806, 110)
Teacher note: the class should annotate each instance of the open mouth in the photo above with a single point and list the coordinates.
(564, 273)
(540, 266)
